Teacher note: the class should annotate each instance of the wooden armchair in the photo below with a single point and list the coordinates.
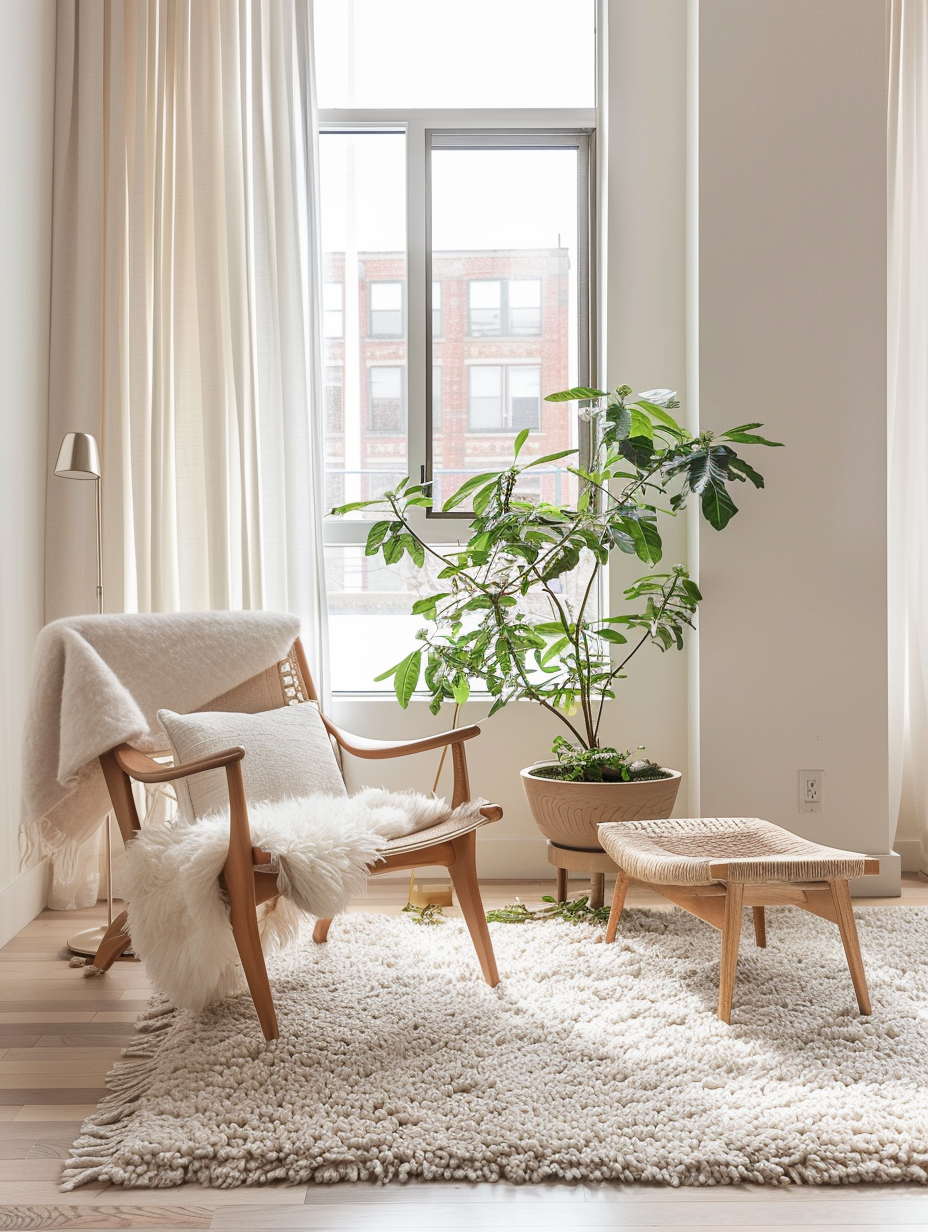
(449, 844)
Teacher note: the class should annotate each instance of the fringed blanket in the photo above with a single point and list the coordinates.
(322, 849)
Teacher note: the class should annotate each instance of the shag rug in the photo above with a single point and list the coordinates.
(587, 1062)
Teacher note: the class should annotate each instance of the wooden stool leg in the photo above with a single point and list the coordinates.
(760, 927)
(618, 902)
(321, 930)
(464, 877)
(561, 892)
(597, 889)
(731, 938)
(841, 897)
(115, 942)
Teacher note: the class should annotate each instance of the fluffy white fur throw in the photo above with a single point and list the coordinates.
(322, 848)
(99, 681)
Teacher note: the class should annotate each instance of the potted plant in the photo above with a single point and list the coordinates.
(516, 608)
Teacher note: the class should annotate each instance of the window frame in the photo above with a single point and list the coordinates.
(501, 128)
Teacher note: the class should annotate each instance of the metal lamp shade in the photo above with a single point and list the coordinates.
(78, 457)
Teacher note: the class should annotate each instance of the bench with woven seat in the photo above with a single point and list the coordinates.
(715, 866)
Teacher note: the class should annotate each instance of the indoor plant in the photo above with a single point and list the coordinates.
(516, 607)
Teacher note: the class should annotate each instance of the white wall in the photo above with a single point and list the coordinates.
(27, 91)
(792, 278)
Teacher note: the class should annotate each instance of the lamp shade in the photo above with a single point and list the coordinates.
(78, 457)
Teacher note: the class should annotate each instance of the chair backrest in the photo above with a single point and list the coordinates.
(284, 684)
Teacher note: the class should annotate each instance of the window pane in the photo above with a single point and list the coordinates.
(386, 394)
(333, 299)
(436, 397)
(508, 262)
(436, 309)
(363, 196)
(482, 53)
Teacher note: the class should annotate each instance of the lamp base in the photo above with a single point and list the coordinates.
(87, 942)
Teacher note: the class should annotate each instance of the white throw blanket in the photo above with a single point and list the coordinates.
(322, 847)
(99, 681)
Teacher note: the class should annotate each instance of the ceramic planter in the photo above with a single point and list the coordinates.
(568, 813)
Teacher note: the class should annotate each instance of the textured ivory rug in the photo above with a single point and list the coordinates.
(588, 1062)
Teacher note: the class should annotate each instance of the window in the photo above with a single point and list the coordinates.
(504, 309)
(440, 369)
(503, 398)
(436, 397)
(333, 310)
(386, 399)
(334, 409)
(385, 301)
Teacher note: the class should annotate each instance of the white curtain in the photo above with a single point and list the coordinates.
(185, 291)
(908, 414)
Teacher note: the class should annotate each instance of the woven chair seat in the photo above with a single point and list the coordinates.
(443, 832)
(681, 851)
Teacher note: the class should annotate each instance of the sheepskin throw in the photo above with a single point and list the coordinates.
(588, 1062)
(322, 847)
(99, 681)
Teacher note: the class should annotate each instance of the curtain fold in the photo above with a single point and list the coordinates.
(908, 415)
(185, 290)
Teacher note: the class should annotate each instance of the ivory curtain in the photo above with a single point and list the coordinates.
(908, 415)
(184, 323)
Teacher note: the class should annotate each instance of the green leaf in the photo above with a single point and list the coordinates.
(611, 635)
(739, 464)
(520, 441)
(426, 606)
(460, 690)
(640, 425)
(658, 413)
(717, 505)
(375, 537)
(461, 495)
(407, 677)
(620, 417)
(749, 438)
(646, 538)
(340, 509)
(549, 457)
(580, 393)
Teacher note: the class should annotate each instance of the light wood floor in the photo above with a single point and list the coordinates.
(60, 1034)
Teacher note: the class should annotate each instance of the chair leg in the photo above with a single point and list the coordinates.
(115, 942)
(561, 891)
(464, 877)
(321, 930)
(731, 938)
(760, 927)
(240, 885)
(841, 897)
(618, 902)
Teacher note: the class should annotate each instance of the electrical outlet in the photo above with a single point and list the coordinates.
(811, 790)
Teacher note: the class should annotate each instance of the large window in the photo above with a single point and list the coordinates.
(457, 251)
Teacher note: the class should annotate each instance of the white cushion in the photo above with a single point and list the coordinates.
(287, 753)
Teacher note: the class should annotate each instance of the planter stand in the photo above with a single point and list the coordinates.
(570, 859)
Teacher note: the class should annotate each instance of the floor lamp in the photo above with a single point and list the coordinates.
(79, 458)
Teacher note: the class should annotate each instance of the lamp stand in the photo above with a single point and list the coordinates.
(87, 941)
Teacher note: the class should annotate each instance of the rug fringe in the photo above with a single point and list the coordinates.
(103, 1133)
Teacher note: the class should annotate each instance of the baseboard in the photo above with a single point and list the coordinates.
(910, 852)
(22, 900)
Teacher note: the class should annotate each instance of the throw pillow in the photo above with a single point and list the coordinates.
(287, 753)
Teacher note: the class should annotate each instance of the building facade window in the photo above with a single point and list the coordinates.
(333, 309)
(436, 309)
(510, 309)
(385, 309)
(334, 400)
(503, 398)
(386, 401)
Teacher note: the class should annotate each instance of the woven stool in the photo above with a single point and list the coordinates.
(714, 866)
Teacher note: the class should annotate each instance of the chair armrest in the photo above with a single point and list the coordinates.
(142, 767)
(359, 746)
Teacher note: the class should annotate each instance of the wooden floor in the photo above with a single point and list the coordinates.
(60, 1034)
